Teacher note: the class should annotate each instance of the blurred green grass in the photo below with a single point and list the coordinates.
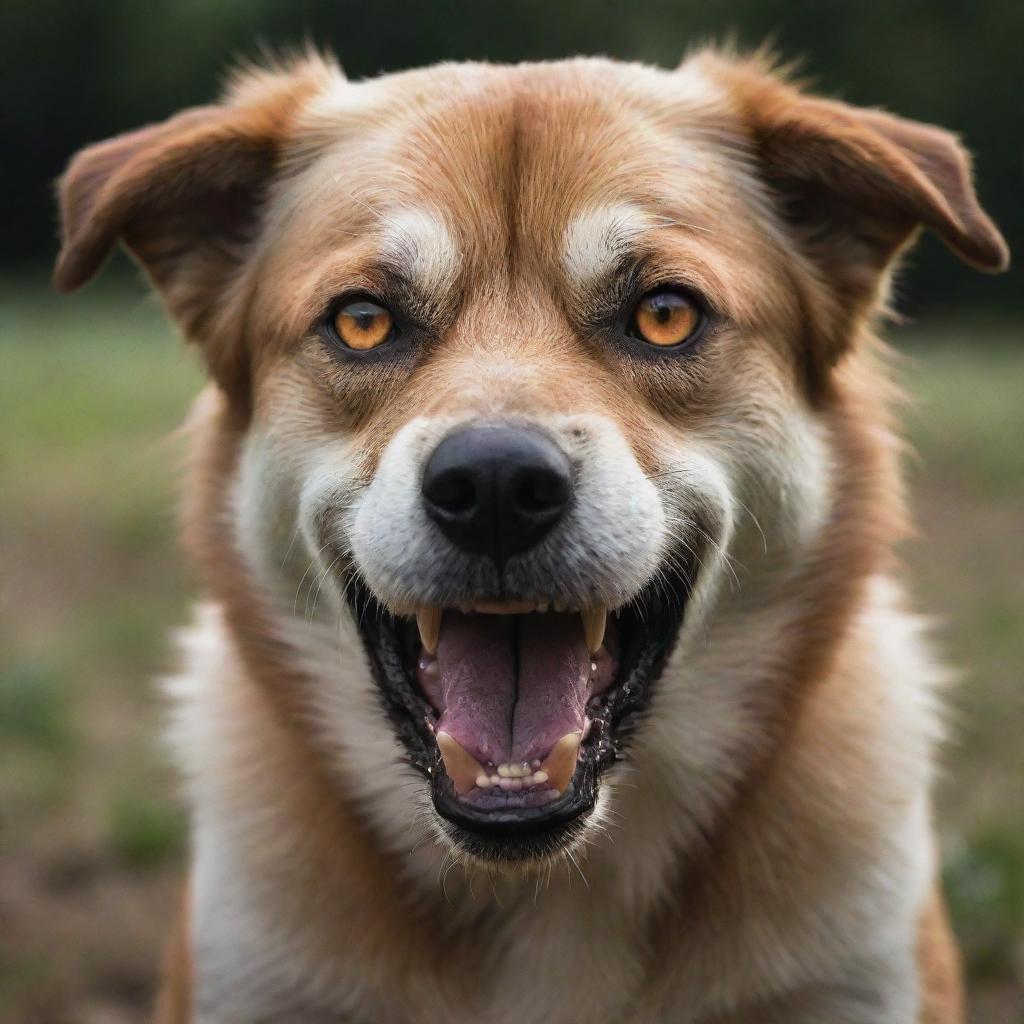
(91, 391)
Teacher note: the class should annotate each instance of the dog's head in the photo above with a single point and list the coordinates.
(531, 358)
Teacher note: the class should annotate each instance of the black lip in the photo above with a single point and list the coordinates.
(524, 834)
(648, 628)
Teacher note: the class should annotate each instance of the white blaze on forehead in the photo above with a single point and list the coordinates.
(597, 240)
(418, 243)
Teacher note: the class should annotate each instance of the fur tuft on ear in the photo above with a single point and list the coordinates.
(185, 196)
(854, 184)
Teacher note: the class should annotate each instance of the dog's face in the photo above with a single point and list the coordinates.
(531, 359)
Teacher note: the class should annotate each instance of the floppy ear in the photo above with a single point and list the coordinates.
(184, 197)
(855, 185)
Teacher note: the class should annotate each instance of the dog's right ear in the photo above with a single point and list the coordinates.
(143, 186)
(185, 199)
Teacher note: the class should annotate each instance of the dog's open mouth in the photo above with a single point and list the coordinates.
(513, 709)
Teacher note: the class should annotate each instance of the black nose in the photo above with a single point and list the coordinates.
(496, 489)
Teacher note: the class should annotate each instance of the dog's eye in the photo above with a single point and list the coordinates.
(363, 324)
(665, 317)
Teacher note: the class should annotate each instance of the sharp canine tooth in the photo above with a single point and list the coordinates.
(594, 620)
(428, 621)
(560, 764)
(462, 767)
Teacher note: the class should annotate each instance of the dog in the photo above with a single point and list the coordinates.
(555, 665)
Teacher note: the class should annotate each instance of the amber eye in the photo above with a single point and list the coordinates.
(665, 317)
(363, 324)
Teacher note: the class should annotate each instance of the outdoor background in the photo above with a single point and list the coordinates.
(92, 837)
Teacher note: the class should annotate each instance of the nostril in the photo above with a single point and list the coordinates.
(453, 492)
(540, 492)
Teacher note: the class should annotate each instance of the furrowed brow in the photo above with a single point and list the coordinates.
(417, 246)
(599, 241)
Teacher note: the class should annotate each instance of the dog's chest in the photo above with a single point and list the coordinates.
(542, 965)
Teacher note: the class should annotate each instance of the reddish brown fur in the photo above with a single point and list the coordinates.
(515, 162)
(174, 1001)
(336, 848)
(939, 960)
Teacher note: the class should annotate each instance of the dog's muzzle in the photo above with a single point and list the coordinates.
(514, 691)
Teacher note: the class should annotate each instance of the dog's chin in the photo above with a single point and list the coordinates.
(514, 711)
(521, 839)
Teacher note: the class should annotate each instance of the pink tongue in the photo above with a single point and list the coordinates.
(511, 686)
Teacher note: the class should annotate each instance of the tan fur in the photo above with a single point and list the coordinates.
(253, 214)
(939, 961)
(174, 1002)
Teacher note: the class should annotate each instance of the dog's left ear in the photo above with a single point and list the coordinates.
(855, 185)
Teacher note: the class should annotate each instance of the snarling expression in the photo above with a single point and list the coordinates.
(534, 365)
(510, 366)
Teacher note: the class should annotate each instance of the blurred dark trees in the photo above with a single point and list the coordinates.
(74, 71)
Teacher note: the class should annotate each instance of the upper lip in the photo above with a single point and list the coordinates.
(594, 618)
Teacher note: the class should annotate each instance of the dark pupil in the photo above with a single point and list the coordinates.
(663, 307)
(364, 314)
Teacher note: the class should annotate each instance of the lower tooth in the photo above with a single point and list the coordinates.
(483, 782)
(462, 768)
(560, 764)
